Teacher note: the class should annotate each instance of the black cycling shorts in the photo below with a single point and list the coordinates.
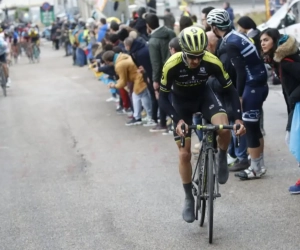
(3, 58)
(253, 99)
(15, 41)
(207, 103)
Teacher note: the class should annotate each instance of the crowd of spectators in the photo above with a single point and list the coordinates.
(129, 58)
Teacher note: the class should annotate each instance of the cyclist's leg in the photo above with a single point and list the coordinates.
(252, 106)
(5, 68)
(186, 109)
(213, 111)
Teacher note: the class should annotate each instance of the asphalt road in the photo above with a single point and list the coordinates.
(74, 177)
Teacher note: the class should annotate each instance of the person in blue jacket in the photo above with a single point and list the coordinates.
(102, 30)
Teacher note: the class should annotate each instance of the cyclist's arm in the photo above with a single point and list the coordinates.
(165, 90)
(230, 92)
(238, 62)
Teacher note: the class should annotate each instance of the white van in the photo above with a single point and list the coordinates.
(286, 20)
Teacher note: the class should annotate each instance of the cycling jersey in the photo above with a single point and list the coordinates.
(3, 46)
(242, 52)
(189, 84)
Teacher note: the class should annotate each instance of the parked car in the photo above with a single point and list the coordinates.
(286, 20)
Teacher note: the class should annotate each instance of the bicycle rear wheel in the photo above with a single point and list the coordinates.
(211, 189)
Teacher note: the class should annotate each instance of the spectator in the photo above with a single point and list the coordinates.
(195, 22)
(159, 53)
(92, 41)
(128, 72)
(151, 4)
(140, 55)
(248, 27)
(227, 7)
(102, 30)
(123, 34)
(140, 24)
(133, 34)
(117, 49)
(174, 46)
(74, 42)
(139, 52)
(194, 19)
(282, 52)
(109, 77)
(124, 104)
(184, 22)
(55, 34)
(185, 11)
(133, 18)
(169, 19)
(204, 14)
(115, 41)
(113, 27)
(80, 54)
(65, 38)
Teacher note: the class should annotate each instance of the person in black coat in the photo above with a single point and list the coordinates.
(281, 51)
(139, 52)
(140, 24)
(248, 27)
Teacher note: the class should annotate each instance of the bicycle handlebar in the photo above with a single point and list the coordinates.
(210, 127)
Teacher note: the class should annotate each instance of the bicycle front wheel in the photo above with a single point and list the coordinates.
(203, 187)
(211, 191)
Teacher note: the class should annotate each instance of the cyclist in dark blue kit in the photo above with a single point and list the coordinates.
(251, 86)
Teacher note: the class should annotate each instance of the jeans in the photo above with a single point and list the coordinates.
(142, 99)
(197, 119)
(154, 101)
(74, 54)
(241, 151)
(80, 57)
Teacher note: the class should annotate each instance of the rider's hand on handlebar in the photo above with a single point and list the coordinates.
(242, 129)
(179, 130)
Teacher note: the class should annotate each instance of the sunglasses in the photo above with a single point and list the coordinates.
(194, 57)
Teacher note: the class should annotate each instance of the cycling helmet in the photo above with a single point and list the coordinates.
(193, 40)
(219, 18)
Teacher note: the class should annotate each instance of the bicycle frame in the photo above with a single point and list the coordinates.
(209, 141)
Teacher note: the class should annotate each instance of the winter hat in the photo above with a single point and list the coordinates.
(246, 23)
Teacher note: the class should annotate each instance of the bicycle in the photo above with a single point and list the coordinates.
(35, 53)
(3, 79)
(15, 53)
(205, 184)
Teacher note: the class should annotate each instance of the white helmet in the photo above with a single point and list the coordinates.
(219, 18)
